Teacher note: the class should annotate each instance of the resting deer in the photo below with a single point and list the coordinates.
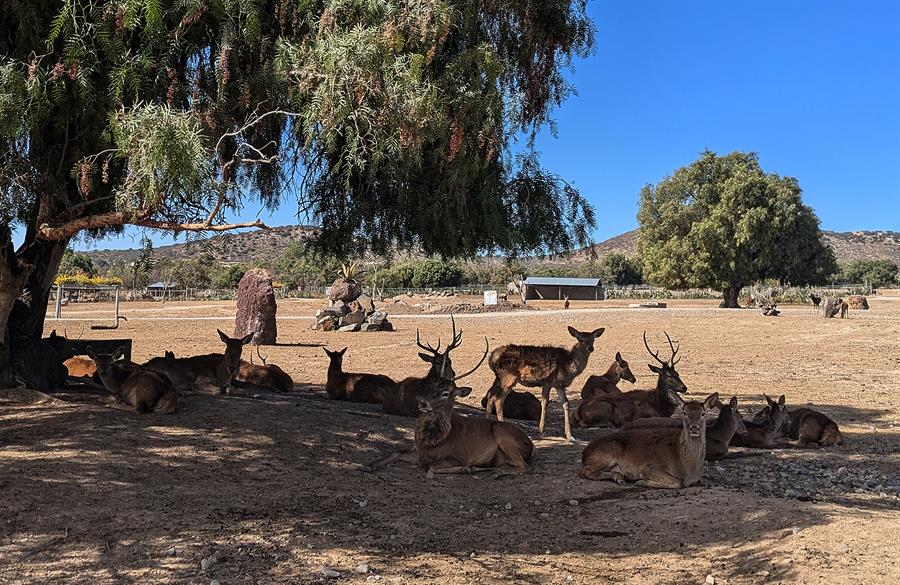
(617, 410)
(446, 442)
(806, 426)
(134, 388)
(718, 434)
(539, 366)
(403, 400)
(765, 433)
(267, 376)
(605, 385)
(519, 405)
(658, 457)
(341, 385)
(209, 374)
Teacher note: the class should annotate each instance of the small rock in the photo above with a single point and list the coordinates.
(362, 568)
(508, 506)
(214, 582)
(573, 502)
(373, 579)
(170, 552)
(330, 573)
(710, 580)
(208, 563)
(763, 574)
(795, 531)
(349, 328)
(569, 578)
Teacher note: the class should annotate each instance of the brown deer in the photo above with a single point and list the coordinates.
(519, 405)
(209, 373)
(765, 433)
(806, 426)
(566, 303)
(268, 376)
(446, 442)
(617, 410)
(546, 367)
(718, 434)
(658, 457)
(133, 387)
(605, 385)
(341, 385)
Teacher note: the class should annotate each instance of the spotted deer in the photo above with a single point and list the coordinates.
(656, 457)
(606, 385)
(208, 374)
(133, 387)
(341, 385)
(616, 410)
(546, 367)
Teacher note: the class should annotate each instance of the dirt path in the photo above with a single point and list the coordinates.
(275, 488)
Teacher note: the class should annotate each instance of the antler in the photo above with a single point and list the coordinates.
(472, 371)
(260, 356)
(674, 348)
(457, 338)
(428, 347)
(651, 352)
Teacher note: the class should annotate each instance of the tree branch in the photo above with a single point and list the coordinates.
(139, 218)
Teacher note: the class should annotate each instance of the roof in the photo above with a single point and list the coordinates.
(160, 285)
(546, 281)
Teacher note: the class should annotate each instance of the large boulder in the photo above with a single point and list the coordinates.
(858, 302)
(353, 318)
(366, 303)
(256, 308)
(345, 289)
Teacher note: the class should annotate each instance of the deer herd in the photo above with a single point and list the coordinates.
(658, 438)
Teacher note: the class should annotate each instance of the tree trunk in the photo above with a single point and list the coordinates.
(730, 297)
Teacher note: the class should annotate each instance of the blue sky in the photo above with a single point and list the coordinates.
(812, 86)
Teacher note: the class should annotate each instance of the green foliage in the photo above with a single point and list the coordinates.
(224, 277)
(300, 268)
(874, 272)
(425, 273)
(724, 223)
(76, 264)
(620, 269)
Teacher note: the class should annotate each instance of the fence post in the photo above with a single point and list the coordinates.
(59, 288)
(117, 305)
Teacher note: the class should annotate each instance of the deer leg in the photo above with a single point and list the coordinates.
(561, 392)
(408, 455)
(167, 404)
(545, 398)
(661, 479)
(511, 448)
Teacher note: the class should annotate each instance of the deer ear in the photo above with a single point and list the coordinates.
(654, 369)
(781, 400)
(247, 339)
(463, 391)
(711, 401)
(53, 334)
(769, 400)
(427, 357)
(733, 402)
(91, 354)
(222, 336)
(598, 332)
(572, 331)
(618, 357)
(341, 352)
(120, 351)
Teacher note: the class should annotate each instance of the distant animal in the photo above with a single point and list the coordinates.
(607, 383)
(133, 387)
(816, 300)
(446, 442)
(616, 410)
(718, 433)
(566, 303)
(209, 373)
(539, 366)
(657, 457)
(806, 426)
(766, 432)
(342, 385)
(519, 405)
(845, 309)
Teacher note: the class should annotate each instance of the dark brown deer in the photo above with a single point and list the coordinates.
(341, 385)
(268, 376)
(539, 366)
(606, 385)
(816, 300)
(209, 374)
(616, 410)
(519, 405)
(134, 388)
(766, 433)
(718, 434)
(806, 426)
(446, 442)
(566, 303)
(657, 457)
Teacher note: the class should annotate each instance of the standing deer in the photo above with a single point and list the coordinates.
(658, 457)
(765, 433)
(618, 409)
(209, 374)
(718, 434)
(539, 366)
(806, 426)
(566, 303)
(816, 300)
(606, 384)
(341, 385)
(446, 442)
(133, 387)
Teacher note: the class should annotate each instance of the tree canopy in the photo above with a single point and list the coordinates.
(882, 272)
(722, 222)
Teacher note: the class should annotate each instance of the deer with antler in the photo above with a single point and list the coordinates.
(617, 410)
(546, 367)
(268, 376)
(403, 400)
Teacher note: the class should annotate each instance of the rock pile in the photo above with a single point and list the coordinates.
(858, 302)
(358, 314)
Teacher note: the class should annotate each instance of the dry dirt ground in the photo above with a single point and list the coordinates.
(275, 491)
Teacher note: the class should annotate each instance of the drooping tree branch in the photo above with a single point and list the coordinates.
(141, 219)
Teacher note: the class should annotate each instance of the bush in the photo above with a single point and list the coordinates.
(85, 280)
(873, 272)
(430, 273)
(228, 276)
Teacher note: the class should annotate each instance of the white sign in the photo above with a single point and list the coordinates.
(490, 297)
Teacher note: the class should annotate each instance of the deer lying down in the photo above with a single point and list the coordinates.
(606, 385)
(519, 406)
(718, 434)
(268, 376)
(134, 388)
(208, 374)
(657, 457)
(341, 385)
(806, 426)
(767, 432)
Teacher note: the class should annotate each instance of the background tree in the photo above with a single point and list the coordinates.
(74, 263)
(620, 269)
(394, 118)
(724, 223)
(875, 272)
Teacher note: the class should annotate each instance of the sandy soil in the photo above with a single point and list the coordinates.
(274, 488)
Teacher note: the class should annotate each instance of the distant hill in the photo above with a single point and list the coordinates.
(269, 245)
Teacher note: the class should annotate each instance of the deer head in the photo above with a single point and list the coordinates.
(694, 414)
(730, 411)
(336, 357)
(668, 377)
(441, 363)
(105, 361)
(233, 349)
(778, 414)
(623, 370)
(585, 339)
